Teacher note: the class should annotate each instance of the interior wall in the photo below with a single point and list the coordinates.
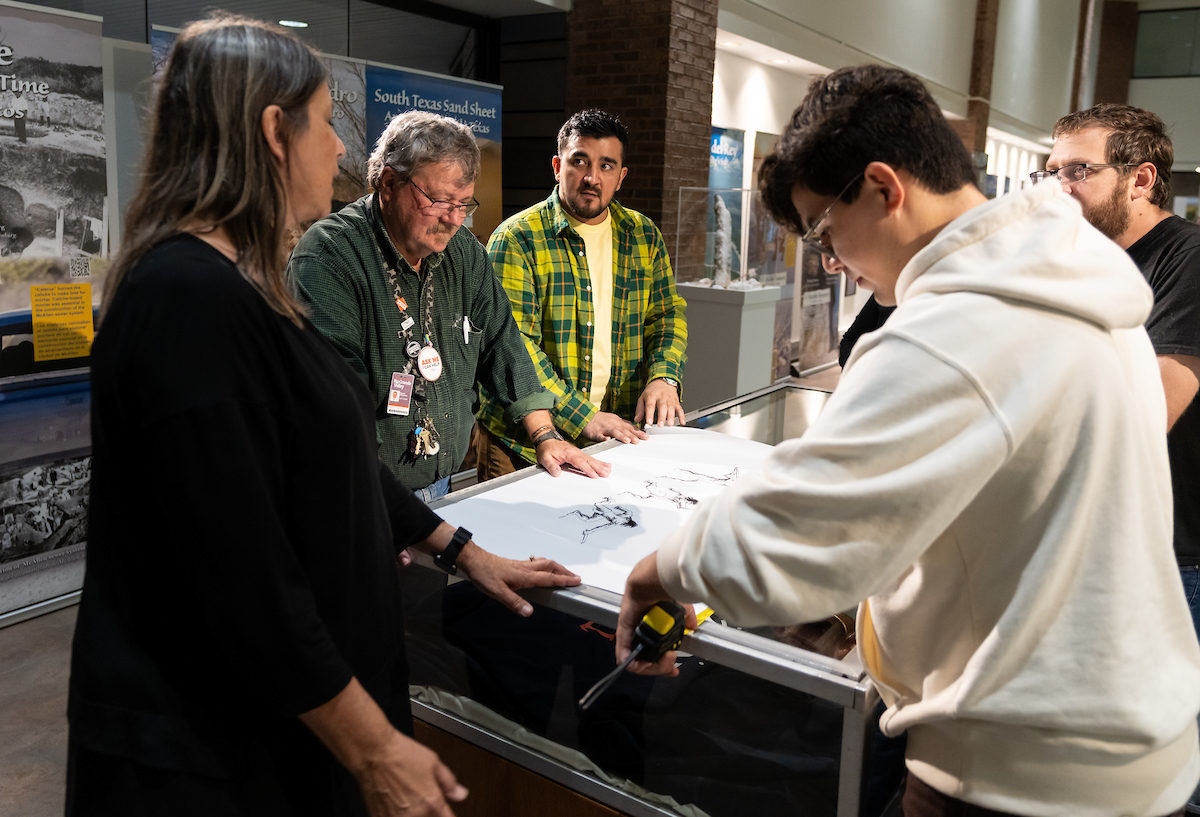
(1035, 44)
(1035, 63)
(1174, 99)
(900, 34)
(884, 30)
(126, 106)
(752, 96)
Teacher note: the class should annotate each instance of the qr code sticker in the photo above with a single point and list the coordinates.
(81, 268)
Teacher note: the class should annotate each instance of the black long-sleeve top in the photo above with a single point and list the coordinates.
(242, 530)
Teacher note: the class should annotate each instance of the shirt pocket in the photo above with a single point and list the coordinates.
(468, 346)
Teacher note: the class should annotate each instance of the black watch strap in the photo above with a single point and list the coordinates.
(447, 558)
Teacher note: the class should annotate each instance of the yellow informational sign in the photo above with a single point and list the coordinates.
(62, 321)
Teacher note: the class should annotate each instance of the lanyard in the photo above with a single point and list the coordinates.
(428, 286)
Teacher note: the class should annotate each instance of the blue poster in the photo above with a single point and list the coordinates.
(725, 167)
(391, 91)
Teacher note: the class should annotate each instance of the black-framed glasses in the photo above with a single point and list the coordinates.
(439, 206)
(815, 237)
(1075, 172)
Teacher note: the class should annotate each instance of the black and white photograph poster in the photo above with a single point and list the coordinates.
(53, 178)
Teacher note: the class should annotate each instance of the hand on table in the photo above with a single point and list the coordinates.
(500, 578)
(553, 455)
(659, 405)
(608, 426)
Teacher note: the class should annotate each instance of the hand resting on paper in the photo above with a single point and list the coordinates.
(496, 576)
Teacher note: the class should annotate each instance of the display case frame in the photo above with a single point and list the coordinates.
(838, 681)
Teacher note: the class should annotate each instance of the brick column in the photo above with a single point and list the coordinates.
(650, 62)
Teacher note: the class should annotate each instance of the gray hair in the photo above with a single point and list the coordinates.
(415, 139)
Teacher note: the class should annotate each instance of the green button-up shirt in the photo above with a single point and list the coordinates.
(339, 273)
(542, 263)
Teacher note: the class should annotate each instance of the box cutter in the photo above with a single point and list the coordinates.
(659, 632)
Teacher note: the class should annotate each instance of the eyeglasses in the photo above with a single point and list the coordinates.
(815, 237)
(447, 206)
(1069, 174)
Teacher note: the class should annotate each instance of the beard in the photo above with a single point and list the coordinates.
(1111, 216)
(581, 209)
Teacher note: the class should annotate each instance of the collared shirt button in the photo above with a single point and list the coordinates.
(581, 253)
(589, 289)
(589, 323)
(587, 357)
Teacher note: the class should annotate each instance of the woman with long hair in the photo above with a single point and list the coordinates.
(239, 646)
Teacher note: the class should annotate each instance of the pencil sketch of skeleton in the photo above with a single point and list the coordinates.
(613, 515)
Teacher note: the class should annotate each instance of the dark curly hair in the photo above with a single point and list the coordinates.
(594, 124)
(855, 116)
(1137, 136)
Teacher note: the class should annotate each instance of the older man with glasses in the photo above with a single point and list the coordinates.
(409, 298)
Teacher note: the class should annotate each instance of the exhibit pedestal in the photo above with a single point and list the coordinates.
(731, 335)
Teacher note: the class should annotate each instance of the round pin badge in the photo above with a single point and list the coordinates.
(412, 348)
(429, 362)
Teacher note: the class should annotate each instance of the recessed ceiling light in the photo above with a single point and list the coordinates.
(293, 23)
(1198, 170)
(730, 44)
(779, 62)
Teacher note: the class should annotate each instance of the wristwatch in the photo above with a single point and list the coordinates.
(670, 381)
(447, 558)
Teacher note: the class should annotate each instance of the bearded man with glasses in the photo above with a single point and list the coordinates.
(408, 296)
(1128, 204)
(989, 482)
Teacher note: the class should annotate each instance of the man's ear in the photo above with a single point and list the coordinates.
(272, 125)
(621, 178)
(1144, 178)
(388, 179)
(556, 163)
(883, 178)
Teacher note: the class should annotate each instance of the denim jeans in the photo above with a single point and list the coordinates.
(435, 490)
(1191, 591)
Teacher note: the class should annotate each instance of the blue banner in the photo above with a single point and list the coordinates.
(391, 91)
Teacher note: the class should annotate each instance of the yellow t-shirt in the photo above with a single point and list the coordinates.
(598, 246)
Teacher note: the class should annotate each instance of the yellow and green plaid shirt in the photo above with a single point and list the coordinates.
(542, 264)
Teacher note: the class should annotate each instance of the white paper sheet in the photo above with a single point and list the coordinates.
(601, 528)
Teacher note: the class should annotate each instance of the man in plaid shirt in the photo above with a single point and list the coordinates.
(594, 296)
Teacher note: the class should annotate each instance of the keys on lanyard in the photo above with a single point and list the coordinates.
(424, 441)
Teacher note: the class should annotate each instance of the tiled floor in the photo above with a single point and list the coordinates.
(34, 667)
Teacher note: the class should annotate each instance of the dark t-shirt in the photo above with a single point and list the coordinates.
(871, 317)
(1169, 257)
(242, 532)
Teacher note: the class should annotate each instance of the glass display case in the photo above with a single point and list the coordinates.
(760, 720)
(45, 470)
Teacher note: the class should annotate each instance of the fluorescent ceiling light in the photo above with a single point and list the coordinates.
(730, 44)
(779, 62)
(293, 23)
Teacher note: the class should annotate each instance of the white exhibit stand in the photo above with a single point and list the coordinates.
(731, 342)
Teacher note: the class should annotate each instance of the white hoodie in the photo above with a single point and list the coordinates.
(991, 475)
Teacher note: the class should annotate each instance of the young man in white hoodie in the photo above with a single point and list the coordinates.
(990, 480)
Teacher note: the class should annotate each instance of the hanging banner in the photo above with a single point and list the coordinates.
(392, 91)
(725, 163)
(53, 256)
(820, 302)
(348, 87)
(53, 177)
